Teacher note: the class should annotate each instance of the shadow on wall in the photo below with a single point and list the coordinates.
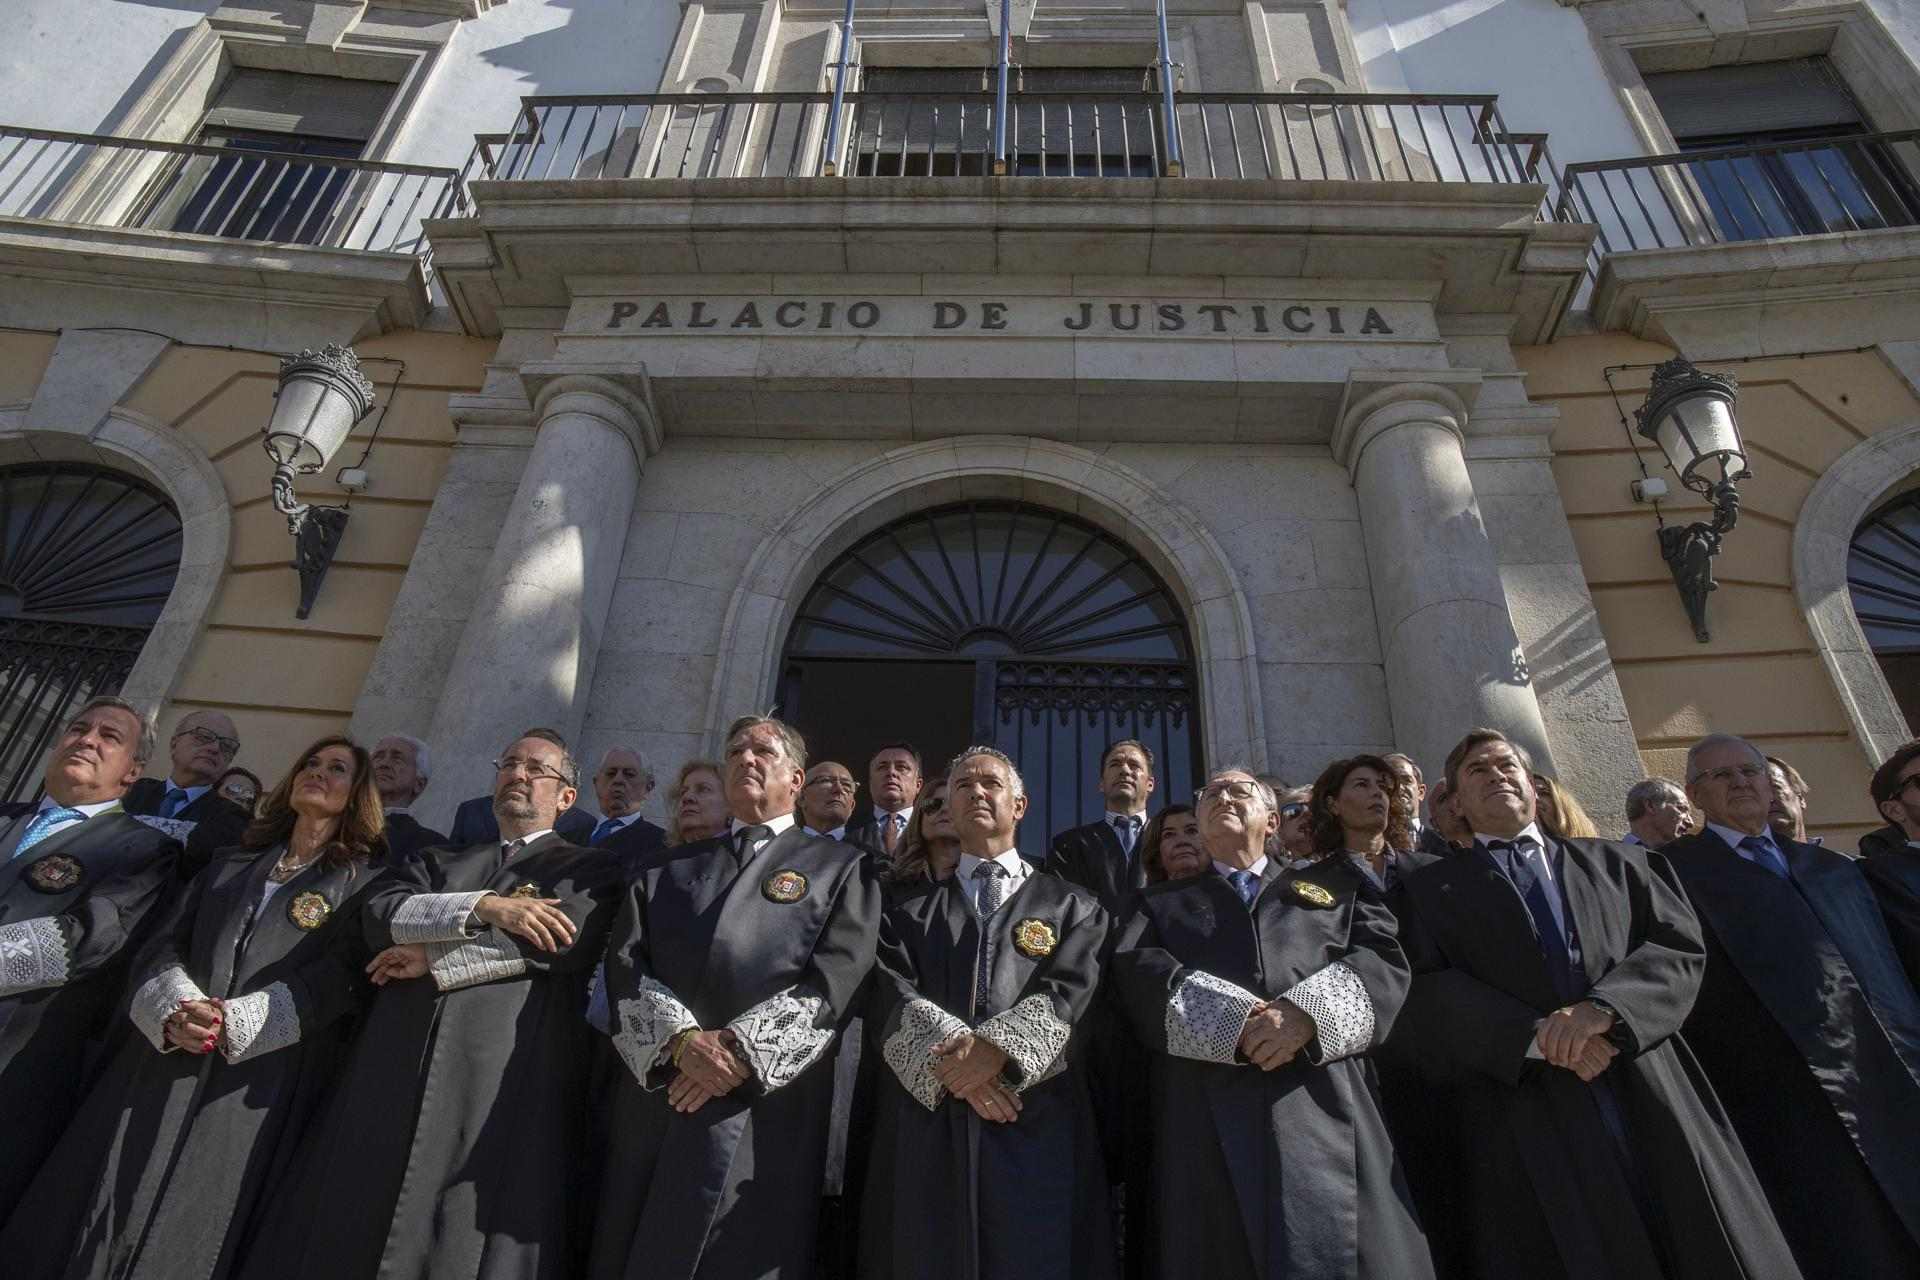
(601, 46)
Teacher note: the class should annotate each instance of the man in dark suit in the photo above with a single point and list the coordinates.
(1550, 981)
(1658, 813)
(1806, 1023)
(82, 882)
(1891, 857)
(401, 770)
(474, 823)
(1410, 785)
(204, 743)
(622, 784)
(826, 801)
(1100, 855)
(893, 780)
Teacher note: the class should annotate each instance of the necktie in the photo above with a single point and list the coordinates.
(42, 826)
(991, 876)
(1520, 860)
(605, 829)
(896, 823)
(509, 848)
(748, 838)
(175, 801)
(1767, 854)
(1128, 829)
(1246, 884)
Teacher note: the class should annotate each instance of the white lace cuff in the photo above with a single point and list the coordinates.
(435, 917)
(909, 1050)
(644, 1026)
(1342, 1012)
(156, 1000)
(33, 954)
(1032, 1036)
(260, 1022)
(486, 958)
(1205, 1016)
(779, 1038)
(178, 828)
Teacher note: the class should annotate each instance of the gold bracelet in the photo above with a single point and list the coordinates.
(679, 1044)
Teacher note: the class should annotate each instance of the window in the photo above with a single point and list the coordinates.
(1785, 158)
(272, 171)
(1883, 577)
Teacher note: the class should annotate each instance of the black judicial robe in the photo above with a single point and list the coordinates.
(454, 1146)
(1811, 1034)
(210, 824)
(950, 1196)
(1893, 872)
(74, 909)
(777, 949)
(407, 835)
(1541, 1192)
(1284, 1173)
(162, 1171)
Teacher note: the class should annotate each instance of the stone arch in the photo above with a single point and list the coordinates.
(1863, 477)
(1104, 492)
(178, 467)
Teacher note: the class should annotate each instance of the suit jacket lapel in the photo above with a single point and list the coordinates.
(1502, 918)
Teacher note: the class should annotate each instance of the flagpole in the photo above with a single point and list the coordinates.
(830, 165)
(1171, 126)
(1000, 93)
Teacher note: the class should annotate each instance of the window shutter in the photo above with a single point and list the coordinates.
(288, 102)
(1753, 98)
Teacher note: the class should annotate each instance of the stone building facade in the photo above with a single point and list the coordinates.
(1351, 392)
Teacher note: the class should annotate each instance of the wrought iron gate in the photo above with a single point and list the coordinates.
(87, 559)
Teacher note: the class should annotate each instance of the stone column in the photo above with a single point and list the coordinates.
(1452, 658)
(527, 653)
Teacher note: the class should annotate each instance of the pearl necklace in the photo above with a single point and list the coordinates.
(284, 870)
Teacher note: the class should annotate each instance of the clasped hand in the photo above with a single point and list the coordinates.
(1574, 1038)
(538, 920)
(969, 1068)
(405, 960)
(195, 1025)
(708, 1069)
(1274, 1032)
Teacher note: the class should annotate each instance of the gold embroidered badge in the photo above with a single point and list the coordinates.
(1035, 938)
(55, 873)
(528, 890)
(785, 886)
(309, 910)
(1312, 894)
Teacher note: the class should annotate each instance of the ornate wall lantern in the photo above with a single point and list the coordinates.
(1689, 414)
(322, 395)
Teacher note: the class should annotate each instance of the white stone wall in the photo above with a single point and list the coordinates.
(1284, 516)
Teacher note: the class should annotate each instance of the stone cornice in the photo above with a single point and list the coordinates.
(1378, 400)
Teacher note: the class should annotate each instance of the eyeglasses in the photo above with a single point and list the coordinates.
(931, 806)
(1727, 773)
(1905, 784)
(847, 785)
(1230, 790)
(532, 768)
(1293, 810)
(208, 738)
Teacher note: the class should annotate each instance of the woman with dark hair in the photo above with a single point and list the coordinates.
(1353, 810)
(1170, 847)
(244, 1006)
(930, 847)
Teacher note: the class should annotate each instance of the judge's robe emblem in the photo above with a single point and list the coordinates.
(1312, 894)
(1035, 938)
(309, 910)
(528, 890)
(55, 873)
(785, 886)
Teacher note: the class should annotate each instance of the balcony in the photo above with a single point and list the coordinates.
(1819, 213)
(300, 225)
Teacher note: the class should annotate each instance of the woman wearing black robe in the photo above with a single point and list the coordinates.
(244, 1005)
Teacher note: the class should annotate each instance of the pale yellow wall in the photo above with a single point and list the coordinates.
(285, 680)
(1760, 675)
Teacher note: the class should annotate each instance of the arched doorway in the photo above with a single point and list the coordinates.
(1000, 622)
(1883, 577)
(88, 557)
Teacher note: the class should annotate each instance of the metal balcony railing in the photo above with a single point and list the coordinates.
(1290, 136)
(239, 191)
(1725, 195)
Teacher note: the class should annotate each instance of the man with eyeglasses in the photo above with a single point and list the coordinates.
(1806, 1023)
(474, 823)
(454, 1145)
(1262, 990)
(826, 801)
(1892, 867)
(733, 967)
(203, 744)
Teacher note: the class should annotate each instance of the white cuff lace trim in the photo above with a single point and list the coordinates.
(156, 1000)
(260, 1022)
(1032, 1036)
(779, 1038)
(178, 828)
(485, 958)
(435, 917)
(909, 1050)
(1342, 1012)
(33, 954)
(1205, 1016)
(645, 1024)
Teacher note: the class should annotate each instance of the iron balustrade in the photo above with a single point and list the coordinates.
(1724, 195)
(232, 192)
(1288, 136)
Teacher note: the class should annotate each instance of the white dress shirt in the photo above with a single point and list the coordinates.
(838, 833)
(1009, 860)
(773, 825)
(84, 810)
(1529, 832)
(1259, 867)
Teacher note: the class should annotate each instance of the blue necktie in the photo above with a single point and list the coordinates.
(1246, 884)
(605, 829)
(42, 826)
(990, 875)
(1518, 860)
(1767, 854)
(1128, 829)
(176, 801)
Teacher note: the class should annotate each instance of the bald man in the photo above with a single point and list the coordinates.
(203, 746)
